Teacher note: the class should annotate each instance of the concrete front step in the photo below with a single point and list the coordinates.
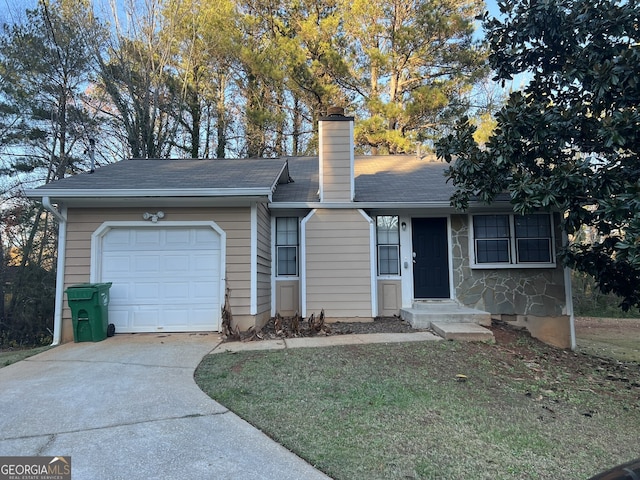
(466, 332)
(423, 314)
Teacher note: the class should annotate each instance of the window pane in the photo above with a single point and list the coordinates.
(492, 251)
(533, 238)
(534, 250)
(387, 228)
(388, 260)
(287, 231)
(286, 261)
(533, 226)
(491, 226)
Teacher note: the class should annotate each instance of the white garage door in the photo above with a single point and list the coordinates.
(164, 279)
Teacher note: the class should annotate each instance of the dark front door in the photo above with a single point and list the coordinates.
(430, 258)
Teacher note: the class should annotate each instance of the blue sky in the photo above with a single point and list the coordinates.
(492, 6)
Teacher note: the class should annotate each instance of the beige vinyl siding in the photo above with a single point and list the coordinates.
(336, 161)
(264, 262)
(338, 264)
(234, 221)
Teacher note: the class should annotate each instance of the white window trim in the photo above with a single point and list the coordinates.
(513, 253)
(275, 246)
(376, 249)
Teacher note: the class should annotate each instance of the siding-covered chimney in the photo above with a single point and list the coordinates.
(336, 157)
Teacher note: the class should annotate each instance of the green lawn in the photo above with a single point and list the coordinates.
(398, 411)
(9, 356)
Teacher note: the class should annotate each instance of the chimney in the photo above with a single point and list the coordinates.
(336, 156)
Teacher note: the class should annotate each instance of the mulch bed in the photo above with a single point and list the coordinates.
(296, 327)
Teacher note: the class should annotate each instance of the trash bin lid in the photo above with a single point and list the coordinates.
(84, 291)
(81, 292)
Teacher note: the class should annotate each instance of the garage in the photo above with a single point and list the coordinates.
(164, 278)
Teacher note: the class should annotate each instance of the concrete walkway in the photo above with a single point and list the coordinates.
(327, 341)
(128, 408)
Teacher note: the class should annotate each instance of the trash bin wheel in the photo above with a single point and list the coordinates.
(111, 330)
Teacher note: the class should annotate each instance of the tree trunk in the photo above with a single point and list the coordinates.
(221, 115)
(297, 124)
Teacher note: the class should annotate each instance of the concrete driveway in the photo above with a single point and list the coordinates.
(128, 408)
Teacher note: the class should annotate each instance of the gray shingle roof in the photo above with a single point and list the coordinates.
(401, 178)
(390, 178)
(397, 179)
(305, 185)
(176, 174)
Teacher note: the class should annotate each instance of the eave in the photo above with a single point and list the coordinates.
(442, 206)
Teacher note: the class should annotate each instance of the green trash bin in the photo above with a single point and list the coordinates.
(89, 304)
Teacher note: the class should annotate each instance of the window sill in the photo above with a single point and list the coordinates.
(494, 266)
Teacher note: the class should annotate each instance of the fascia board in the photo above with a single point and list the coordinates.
(130, 193)
(342, 205)
(386, 205)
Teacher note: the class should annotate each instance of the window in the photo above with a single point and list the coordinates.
(492, 238)
(504, 240)
(388, 242)
(533, 238)
(286, 246)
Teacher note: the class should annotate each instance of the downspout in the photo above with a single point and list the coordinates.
(568, 289)
(373, 268)
(62, 240)
(253, 295)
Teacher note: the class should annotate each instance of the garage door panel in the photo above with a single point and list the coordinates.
(174, 320)
(119, 317)
(116, 264)
(176, 292)
(146, 292)
(120, 237)
(203, 236)
(178, 238)
(144, 264)
(205, 263)
(202, 290)
(163, 279)
(119, 294)
(146, 236)
(176, 264)
(145, 317)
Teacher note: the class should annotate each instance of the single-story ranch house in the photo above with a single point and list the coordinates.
(357, 236)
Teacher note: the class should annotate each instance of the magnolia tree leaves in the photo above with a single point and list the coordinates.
(569, 141)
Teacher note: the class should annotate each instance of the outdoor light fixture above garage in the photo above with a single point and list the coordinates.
(154, 217)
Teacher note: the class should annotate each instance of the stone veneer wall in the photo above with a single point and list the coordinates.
(538, 292)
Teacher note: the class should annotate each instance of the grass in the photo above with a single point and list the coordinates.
(8, 357)
(398, 411)
(617, 338)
